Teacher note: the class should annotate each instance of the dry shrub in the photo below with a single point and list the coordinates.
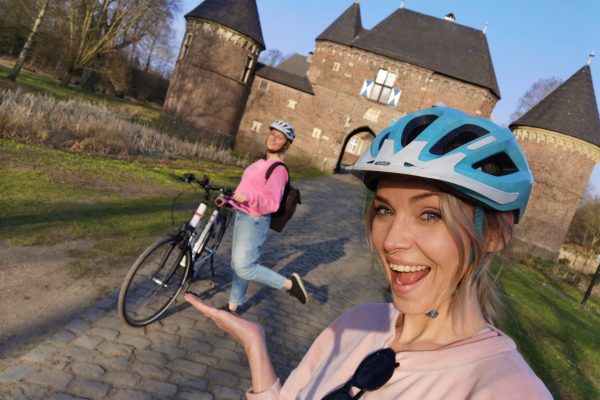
(92, 129)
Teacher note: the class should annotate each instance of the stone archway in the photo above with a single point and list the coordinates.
(349, 136)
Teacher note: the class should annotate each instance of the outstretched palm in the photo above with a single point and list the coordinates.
(246, 332)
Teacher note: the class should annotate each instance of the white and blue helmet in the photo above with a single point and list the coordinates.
(471, 155)
(284, 127)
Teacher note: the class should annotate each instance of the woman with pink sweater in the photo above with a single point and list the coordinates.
(448, 189)
(254, 200)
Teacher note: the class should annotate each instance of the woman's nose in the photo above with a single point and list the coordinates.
(398, 237)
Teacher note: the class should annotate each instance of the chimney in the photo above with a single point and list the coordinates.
(450, 17)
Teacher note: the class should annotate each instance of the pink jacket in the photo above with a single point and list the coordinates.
(263, 196)
(486, 366)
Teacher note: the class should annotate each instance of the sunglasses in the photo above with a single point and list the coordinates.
(372, 373)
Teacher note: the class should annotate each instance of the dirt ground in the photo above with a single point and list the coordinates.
(38, 293)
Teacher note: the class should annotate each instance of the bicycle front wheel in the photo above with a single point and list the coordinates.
(154, 281)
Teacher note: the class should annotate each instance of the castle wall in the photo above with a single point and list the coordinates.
(207, 95)
(421, 87)
(561, 167)
(337, 74)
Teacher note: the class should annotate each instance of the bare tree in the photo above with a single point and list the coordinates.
(585, 227)
(98, 27)
(271, 57)
(16, 20)
(29, 42)
(534, 95)
(155, 50)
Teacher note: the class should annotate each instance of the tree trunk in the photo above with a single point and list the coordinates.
(29, 43)
(66, 78)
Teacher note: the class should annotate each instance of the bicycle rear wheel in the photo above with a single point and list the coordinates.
(213, 239)
(154, 281)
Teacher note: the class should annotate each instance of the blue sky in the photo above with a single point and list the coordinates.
(528, 39)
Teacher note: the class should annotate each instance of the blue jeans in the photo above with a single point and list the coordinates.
(249, 234)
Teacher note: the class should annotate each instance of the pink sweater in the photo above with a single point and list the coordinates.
(486, 366)
(263, 197)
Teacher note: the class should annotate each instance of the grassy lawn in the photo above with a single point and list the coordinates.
(559, 339)
(49, 196)
(46, 85)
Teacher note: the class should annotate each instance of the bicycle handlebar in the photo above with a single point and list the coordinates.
(205, 184)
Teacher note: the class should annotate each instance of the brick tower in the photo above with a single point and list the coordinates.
(214, 71)
(560, 137)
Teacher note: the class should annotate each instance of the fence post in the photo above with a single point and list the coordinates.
(592, 283)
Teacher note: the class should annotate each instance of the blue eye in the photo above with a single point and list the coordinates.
(431, 216)
(382, 211)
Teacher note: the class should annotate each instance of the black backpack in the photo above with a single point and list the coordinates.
(289, 201)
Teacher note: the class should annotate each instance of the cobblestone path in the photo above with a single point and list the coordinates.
(184, 356)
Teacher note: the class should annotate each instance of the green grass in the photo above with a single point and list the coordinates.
(49, 196)
(559, 339)
(44, 84)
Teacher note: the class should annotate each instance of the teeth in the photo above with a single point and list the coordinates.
(408, 268)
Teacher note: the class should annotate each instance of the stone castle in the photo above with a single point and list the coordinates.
(357, 80)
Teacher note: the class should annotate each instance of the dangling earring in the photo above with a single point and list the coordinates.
(432, 314)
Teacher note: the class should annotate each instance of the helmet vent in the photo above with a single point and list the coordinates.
(415, 127)
(458, 137)
(499, 164)
(382, 138)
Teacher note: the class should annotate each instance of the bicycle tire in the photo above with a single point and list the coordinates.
(154, 281)
(213, 240)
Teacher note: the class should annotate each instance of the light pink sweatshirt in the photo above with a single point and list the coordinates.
(263, 197)
(486, 366)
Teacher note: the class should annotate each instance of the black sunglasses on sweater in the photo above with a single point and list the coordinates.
(372, 373)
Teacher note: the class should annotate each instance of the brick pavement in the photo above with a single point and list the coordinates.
(184, 356)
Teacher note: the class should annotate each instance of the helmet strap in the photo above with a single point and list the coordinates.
(478, 221)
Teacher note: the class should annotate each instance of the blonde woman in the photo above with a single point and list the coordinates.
(448, 189)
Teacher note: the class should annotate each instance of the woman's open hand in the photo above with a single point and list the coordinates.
(248, 333)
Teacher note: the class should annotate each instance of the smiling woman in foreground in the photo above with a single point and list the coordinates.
(448, 189)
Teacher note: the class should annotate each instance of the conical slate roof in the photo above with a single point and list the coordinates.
(238, 15)
(443, 46)
(345, 28)
(570, 109)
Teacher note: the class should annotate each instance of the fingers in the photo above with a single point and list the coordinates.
(200, 306)
(239, 197)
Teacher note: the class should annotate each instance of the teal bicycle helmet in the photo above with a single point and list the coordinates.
(472, 156)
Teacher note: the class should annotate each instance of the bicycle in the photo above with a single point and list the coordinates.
(170, 264)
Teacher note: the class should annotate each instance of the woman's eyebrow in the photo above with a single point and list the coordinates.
(380, 198)
(423, 196)
(413, 199)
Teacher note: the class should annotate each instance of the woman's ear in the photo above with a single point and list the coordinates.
(501, 233)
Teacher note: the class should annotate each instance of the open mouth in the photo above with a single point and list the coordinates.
(405, 275)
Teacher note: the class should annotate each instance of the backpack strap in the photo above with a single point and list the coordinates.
(275, 165)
